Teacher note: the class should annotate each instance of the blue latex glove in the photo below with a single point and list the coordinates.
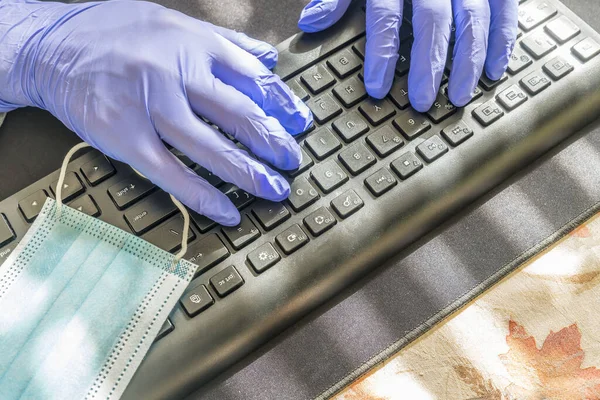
(125, 74)
(486, 31)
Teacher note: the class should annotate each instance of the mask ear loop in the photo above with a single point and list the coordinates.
(182, 209)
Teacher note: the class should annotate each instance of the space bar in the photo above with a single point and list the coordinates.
(303, 50)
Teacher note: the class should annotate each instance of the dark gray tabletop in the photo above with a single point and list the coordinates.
(400, 296)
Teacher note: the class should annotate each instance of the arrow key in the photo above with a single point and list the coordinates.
(71, 188)
(31, 205)
(86, 205)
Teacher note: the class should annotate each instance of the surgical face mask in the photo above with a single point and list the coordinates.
(81, 302)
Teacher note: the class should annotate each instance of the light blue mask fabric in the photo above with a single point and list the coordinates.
(81, 302)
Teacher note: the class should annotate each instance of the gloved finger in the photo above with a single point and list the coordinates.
(472, 20)
(159, 165)
(321, 14)
(239, 116)
(384, 18)
(182, 129)
(503, 35)
(432, 24)
(238, 68)
(266, 53)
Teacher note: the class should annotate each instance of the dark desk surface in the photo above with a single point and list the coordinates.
(358, 324)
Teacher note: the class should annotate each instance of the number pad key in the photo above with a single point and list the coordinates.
(412, 124)
(385, 141)
(226, 281)
(350, 126)
(488, 113)
(535, 13)
(270, 214)
(562, 29)
(377, 111)
(317, 79)
(344, 63)
(558, 68)
(350, 92)
(457, 133)
(347, 203)
(329, 176)
(587, 49)
(535, 82)
(432, 149)
(357, 158)
(512, 97)
(538, 44)
(263, 258)
(319, 221)
(406, 165)
(291, 239)
(243, 234)
(302, 194)
(518, 61)
(380, 182)
(324, 108)
(323, 143)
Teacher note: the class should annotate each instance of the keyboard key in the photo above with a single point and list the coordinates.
(477, 93)
(487, 84)
(399, 92)
(380, 182)
(98, 170)
(323, 143)
(441, 109)
(518, 61)
(512, 97)
(357, 158)
(587, 49)
(291, 239)
(209, 177)
(298, 90)
(168, 236)
(385, 141)
(203, 223)
(130, 190)
(150, 212)
(406, 165)
(165, 329)
(226, 281)
(359, 47)
(196, 300)
(6, 251)
(488, 113)
(535, 82)
(317, 79)
(324, 108)
(534, 14)
(538, 44)
(412, 124)
(263, 258)
(302, 194)
(562, 29)
(558, 68)
(344, 63)
(206, 253)
(305, 164)
(319, 221)
(350, 126)
(432, 149)
(347, 203)
(270, 214)
(457, 133)
(242, 235)
(240, 198)
(71, 188)
(403, 63)
(377, 111)
(329, 176)
(7, 235)
(86, 205)
(350, 92)
(31, 205)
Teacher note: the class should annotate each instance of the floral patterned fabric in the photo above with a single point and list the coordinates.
(534, 336)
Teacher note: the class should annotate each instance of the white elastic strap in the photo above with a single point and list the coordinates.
(63, 173)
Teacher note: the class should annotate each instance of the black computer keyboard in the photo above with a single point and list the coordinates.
(375, 176)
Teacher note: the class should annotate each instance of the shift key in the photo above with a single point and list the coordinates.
(130, 190)
(150, 212)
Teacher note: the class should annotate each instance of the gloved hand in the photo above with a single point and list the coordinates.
(486, 31)
(125, 74)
